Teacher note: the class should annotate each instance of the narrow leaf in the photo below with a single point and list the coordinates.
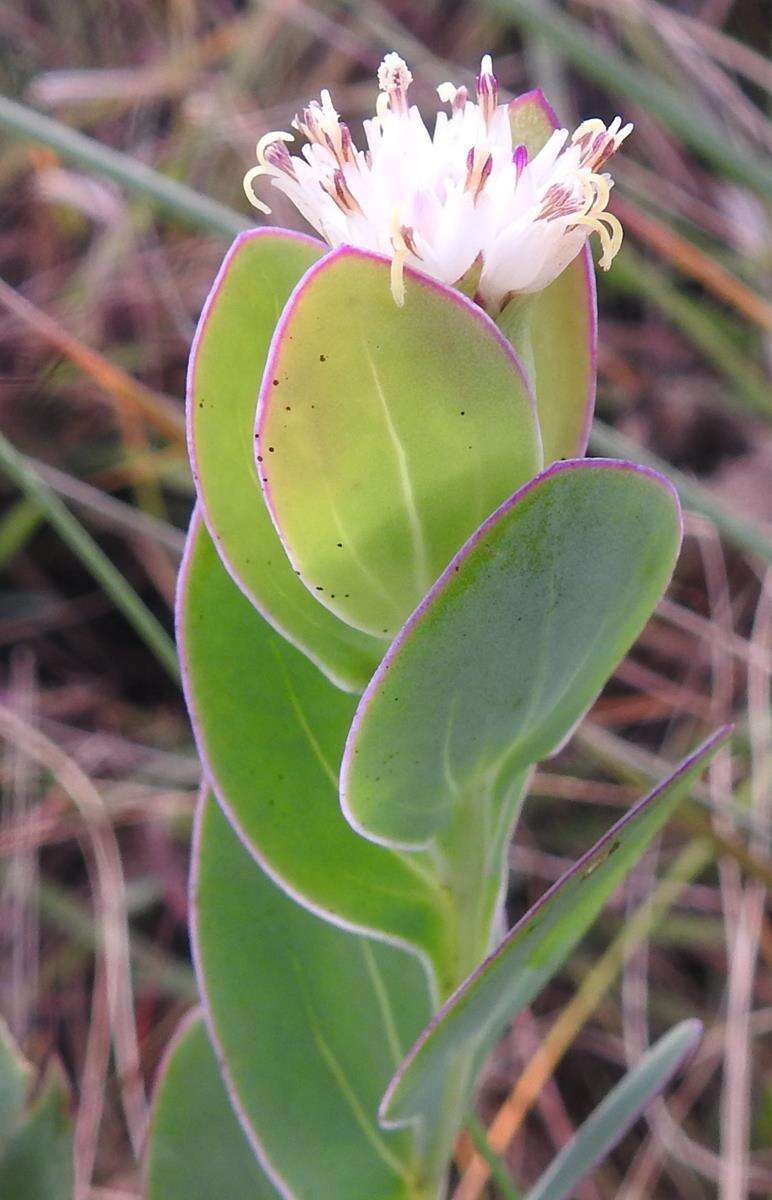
(534, 950)
(614, 1116)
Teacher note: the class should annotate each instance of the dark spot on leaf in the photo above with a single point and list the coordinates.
(275, 383)
(287, 408)
(463, 412)
(322, 358)
(259, 458)
(339, 545)
(319, 587)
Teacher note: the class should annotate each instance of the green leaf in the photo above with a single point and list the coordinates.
(510, 646)
(36, 1160)
(14, 1082)
(309, 1022)
(270, 730)
(234, 333)
(562, 322)
(614, 1116)
(197, 1149)
(386, 434)
(534, 950)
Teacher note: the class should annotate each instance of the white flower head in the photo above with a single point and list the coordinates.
(460, 204)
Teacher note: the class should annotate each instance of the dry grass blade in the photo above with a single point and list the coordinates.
(110, 907)
(129, 394)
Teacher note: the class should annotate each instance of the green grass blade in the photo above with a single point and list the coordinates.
(614, 1115)
(175, 198)
(93, 558)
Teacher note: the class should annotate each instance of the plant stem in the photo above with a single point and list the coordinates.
(689, 864)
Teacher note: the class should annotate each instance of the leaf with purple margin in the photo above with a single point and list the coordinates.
(534, 950)
(226, 368)
(270, 731)
(385, 435)
(563, 320)
(308, 1022)
(610, 1121)
(511, 645)
(197, 1149)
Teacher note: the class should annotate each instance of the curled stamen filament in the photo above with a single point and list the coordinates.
(605, 224)
(263, 167)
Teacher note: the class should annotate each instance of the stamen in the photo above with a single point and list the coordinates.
(269, 139)
(560, 201)
(596, 143)
(487, 89)
(271, 157)
(610, 238)
(403, 244)
(394, 79)
(252, 195)
(520, 159)
(456, 97)
(479, 164)
(337, 188)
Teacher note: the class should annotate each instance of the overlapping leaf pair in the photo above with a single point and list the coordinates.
(403, 587)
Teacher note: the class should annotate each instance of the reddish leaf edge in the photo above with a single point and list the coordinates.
(417, 278)
(415, 618)
(262, 861)
(536, 96)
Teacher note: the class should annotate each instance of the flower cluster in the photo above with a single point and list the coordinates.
(463, 205)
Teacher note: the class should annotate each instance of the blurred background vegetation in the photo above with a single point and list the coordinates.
(125, 131)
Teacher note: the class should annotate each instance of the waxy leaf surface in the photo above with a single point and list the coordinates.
(309, 1022)
(197, 1148)
(36, 1157)
(534, 949)
(386, 435)
(511, 645)
(610, 1121)
(226, 368)
(563, 321)
(270, 730)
